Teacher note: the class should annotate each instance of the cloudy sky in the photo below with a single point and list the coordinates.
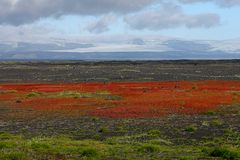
(44, 20)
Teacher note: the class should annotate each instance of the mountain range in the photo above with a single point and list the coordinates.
(127, 49)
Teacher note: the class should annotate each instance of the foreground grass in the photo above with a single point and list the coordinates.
(145, 146)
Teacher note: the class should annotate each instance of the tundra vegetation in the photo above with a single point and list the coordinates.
(126, 121)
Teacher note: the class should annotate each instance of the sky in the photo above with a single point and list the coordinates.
(45, 20)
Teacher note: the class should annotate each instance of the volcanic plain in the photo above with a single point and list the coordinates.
(66, 110)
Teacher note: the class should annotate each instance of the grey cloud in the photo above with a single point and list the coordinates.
(101, 25)
(181, 45)
(171, 16)
(228, 3)
(222, 3)
(24, 33)
(18, 12)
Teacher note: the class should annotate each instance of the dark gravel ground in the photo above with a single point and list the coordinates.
(173, 127)
(65, 72)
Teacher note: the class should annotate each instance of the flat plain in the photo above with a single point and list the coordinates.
(120, 110)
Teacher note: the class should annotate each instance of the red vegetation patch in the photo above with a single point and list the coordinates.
(138, 100)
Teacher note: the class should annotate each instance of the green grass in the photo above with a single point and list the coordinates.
(149, 148)
(145, 146)
(14, 156)
(76, 94)
(210, 113)
(33, 94)
(224, 152)
(90, 153)
(191, 128)
(105, 95)
(18, 148)
(154, 132)
(7, 136)
(7, 91)
(216, 122)
(9, 63)
(104, 130)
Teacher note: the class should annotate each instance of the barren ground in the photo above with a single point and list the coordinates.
(208, 130)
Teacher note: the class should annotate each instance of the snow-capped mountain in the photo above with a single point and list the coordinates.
(134, 47)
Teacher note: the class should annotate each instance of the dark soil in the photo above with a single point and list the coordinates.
(58, 72)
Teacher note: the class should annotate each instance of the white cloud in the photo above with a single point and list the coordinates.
(171, 16)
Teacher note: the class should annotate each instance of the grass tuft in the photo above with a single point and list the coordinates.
(224, 153)
(33, 94)
(148, 148)
(97, 95)
(13, 156)
(90, 153)
(216, 122)
(154, 133)
(191, 128)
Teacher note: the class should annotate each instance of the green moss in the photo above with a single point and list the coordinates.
(121, 129)
(7, 91)
(216, 122)
(191, 128)
(76, 94)
(160, 141)
(205, 123)
(229, 131)
(224, 153)
(13, 156)
(104, 130)
(5, 136)
(135, 147)
(95, 119)
(96, 136)
(33, 94)
(154, 132)
(103, 92)
(39, 146)
(7, 144)
(90, 153)
(210, 113)
(186, 158)
(9, 63)
(148, 148)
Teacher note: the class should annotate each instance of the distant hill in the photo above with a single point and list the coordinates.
(130, 49)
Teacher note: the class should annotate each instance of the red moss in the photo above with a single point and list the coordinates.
(139, 99)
